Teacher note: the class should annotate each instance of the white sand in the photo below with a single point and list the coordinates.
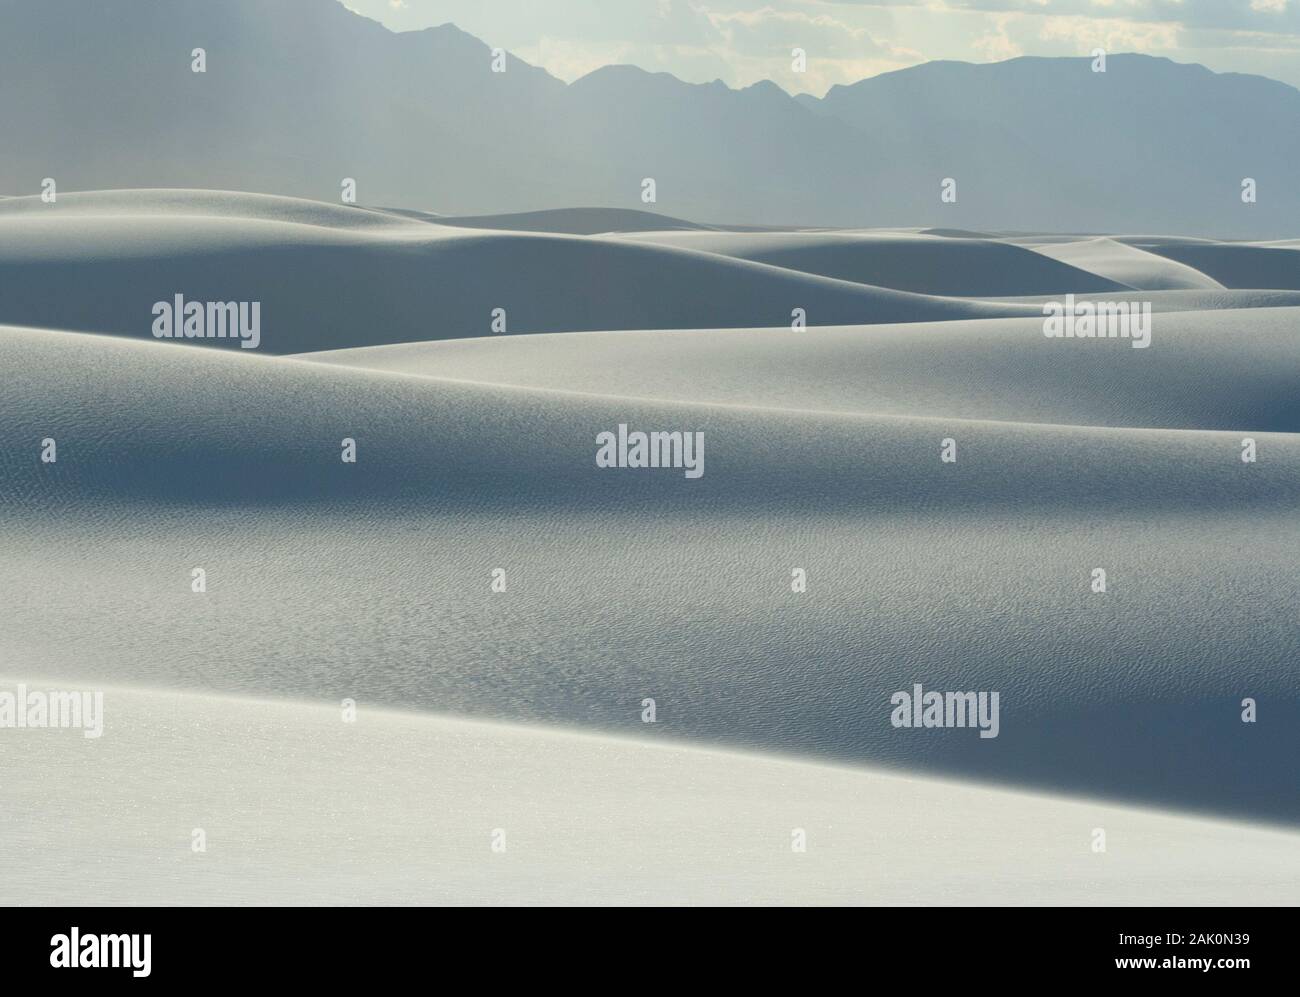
(1194, 376)
(927, 264)
(1127, 264)
(330, 278)
(372, 580)
(327, 580)
(298, 807)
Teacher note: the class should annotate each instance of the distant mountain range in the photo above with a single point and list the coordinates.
(299, 94)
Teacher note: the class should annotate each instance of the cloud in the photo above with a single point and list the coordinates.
(1112, 34)
(1280, 16)
(759, 44)
(997, 45)
(767, 31)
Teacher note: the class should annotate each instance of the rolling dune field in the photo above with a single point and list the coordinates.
(521, 706)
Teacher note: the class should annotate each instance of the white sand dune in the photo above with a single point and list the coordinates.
(1128, 265)
(1237, 264)
(330, 278)
(577, 221)
(1063, 238)
(372, 580)
(926, 264)
(185, 203)
(1192, 377)
(336, 277)
(1203, 300)
(274, 207)
(956, 233)
(298, 807)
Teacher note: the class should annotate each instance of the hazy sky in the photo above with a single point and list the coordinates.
(742, 41)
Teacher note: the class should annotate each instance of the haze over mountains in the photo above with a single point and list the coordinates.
(302, 93)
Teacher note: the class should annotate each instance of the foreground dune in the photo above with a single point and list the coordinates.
(373, 580)
(296, 806)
